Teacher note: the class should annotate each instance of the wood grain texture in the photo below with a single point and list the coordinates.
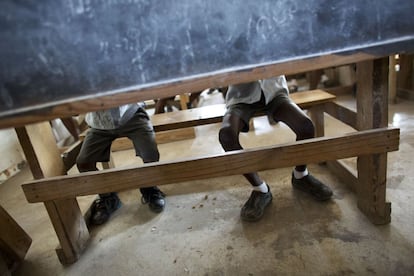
(14, 241)
(230, 163)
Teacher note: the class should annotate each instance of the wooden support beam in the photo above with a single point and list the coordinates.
(347, 174)
(44, 159)
(14, 242)
(225, 164)
(318, 119)
(70, 227)
(168, 89)
(392, 80)
(342, 113)
(372, 113)
(161, 137)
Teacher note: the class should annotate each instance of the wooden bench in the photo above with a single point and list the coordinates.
(178, 125)
(214, 113)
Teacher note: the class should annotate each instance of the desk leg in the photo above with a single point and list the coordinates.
(70, 228)
(44, 158)
(372, 112)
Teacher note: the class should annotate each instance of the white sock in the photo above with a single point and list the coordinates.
(261, 188)
(299, 175)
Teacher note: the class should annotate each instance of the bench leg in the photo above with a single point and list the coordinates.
(70, 227)
(371, 188)
(317, 116)
(372, 112)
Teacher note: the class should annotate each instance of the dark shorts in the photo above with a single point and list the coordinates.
(246, 111)
(97, 144)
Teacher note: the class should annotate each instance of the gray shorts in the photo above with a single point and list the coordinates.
(246, 111)
(97, 144)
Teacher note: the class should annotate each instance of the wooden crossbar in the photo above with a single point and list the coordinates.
(315, 150)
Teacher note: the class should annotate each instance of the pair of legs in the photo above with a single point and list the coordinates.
(281, 109)
(286, 112)
(96, 148)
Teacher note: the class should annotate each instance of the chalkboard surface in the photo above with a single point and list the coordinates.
(53, 51)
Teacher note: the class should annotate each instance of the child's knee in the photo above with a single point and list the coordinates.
(307, 130)
(228, 138)
(151, 156)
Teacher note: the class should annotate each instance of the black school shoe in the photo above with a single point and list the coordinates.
(103, 207)
(312, 186)
(154, 197)
(254, 207)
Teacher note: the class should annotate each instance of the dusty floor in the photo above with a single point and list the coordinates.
(200, 231)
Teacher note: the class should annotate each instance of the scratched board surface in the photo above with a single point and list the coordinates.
(57, 50)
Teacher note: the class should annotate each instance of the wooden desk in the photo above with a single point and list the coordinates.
(63, 58)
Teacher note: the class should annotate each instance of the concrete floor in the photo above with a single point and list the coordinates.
(200, 231)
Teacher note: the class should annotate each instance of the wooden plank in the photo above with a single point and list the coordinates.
(67, 220)
(14, 241)
(161, 137)
(340, 90)
(405, 76)
(392, 80)
(406, 94)
(174, 135)
(372, 112)
(29, 152)
(184, 100)
(185, 53)
(371, 188)
(214, 113)
(42, 153)
(344, 172)
(44, 159)
(230, 163)
(341, 113)
(310, 98)
(318, 119)
(168, 89)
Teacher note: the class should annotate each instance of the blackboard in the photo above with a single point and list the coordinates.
(52, 51)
